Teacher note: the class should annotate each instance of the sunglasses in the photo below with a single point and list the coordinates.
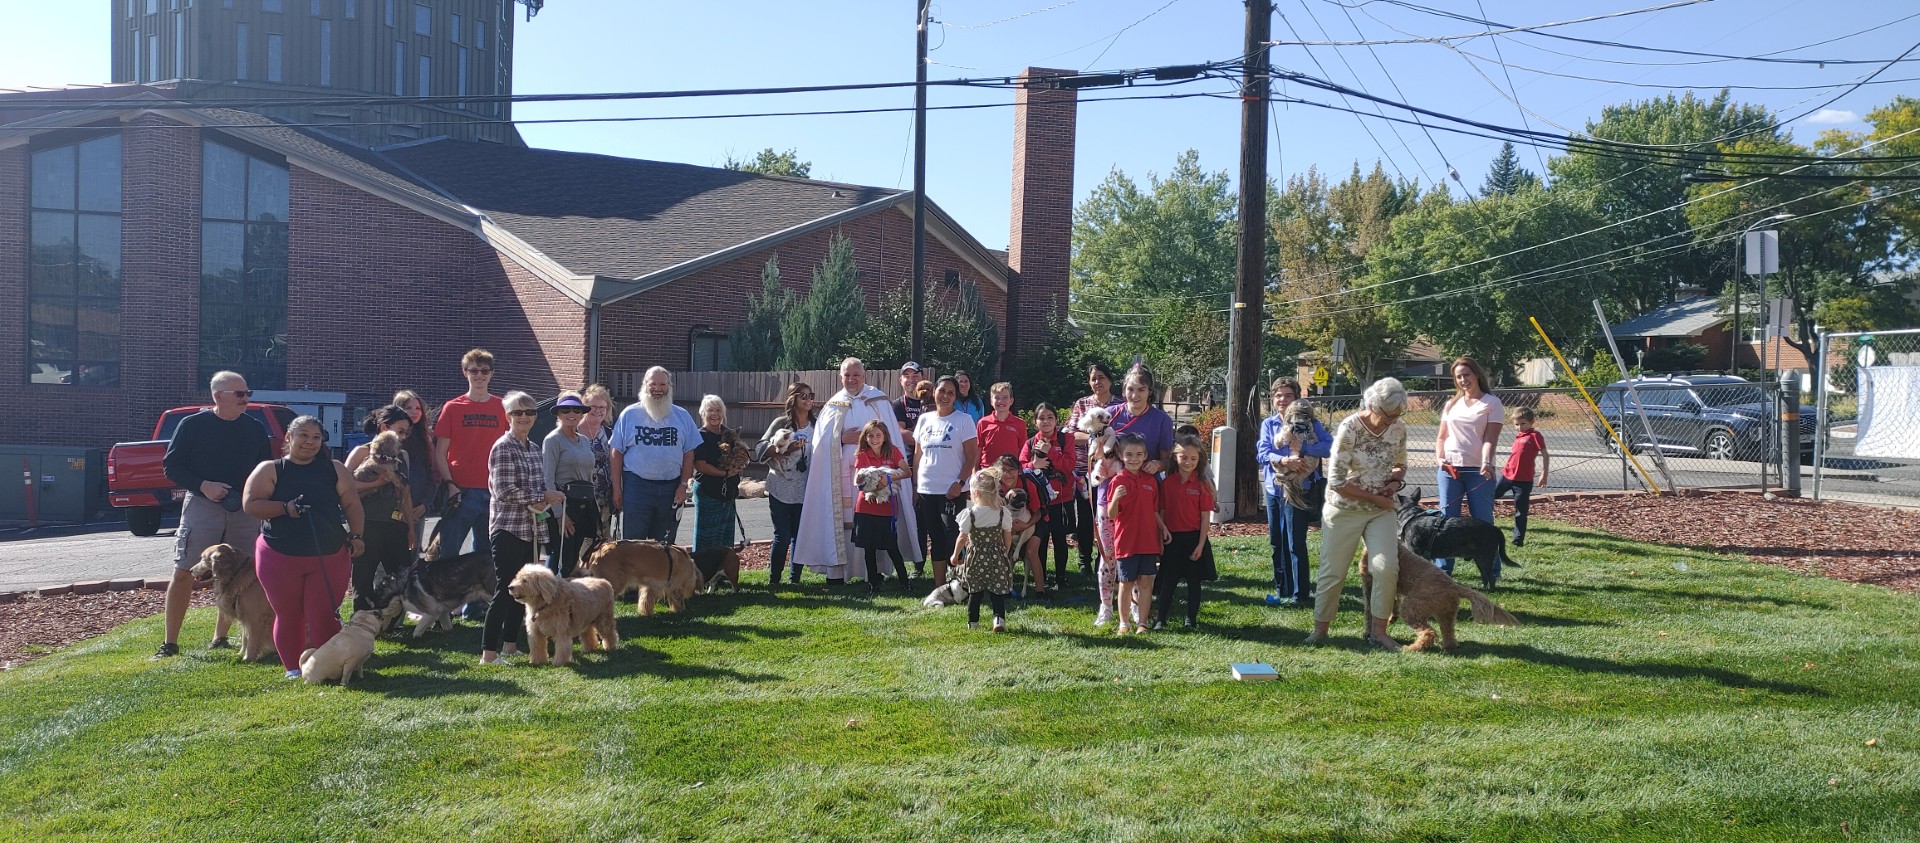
(523, 413)
(239, 393)
(480, 370)
(570, 411)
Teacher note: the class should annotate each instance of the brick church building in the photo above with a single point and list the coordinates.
(228, 202)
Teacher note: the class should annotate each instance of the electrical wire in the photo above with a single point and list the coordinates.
(1363, 124)
(1503, 30)
(1397, 92)
(1011, 18)
(1512, 90)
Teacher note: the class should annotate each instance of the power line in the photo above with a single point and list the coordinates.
(1363, 124)
(1675, 86)
(1511, 88)
(1010, 18)
(1400, 93)
(1436, 39)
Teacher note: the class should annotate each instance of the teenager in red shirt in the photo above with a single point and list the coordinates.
(1186, 505)
(464, 434)
(1518, 473)
(1000, 432)
(873, 528)
(1051, 453)
(1139, 533)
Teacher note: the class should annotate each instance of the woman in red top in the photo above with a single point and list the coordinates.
(1186, 502)
(873, 510)
(1048, 453)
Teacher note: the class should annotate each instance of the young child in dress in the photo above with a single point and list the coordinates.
(1518, 473)
(1039, 456)
(1139, 533)
(873, 511)
(986, 544)
(1186, 506)
(1105, 465)
(1028, 527)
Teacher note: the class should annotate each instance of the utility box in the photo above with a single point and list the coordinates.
(1225, 448)
(44, 484)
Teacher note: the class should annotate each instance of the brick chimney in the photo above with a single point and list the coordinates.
(1041, 237)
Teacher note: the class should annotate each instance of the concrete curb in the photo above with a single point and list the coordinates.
(92, 587)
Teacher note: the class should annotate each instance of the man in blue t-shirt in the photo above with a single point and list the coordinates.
(210, 456)
(652, 458)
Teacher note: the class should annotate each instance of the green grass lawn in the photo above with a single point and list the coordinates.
(1654, 694)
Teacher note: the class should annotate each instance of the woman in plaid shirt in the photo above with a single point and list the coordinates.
(518, 485)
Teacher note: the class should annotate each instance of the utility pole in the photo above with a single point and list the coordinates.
(920, 187)
(1250, 274)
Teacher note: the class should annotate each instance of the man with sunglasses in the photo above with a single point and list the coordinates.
(210, 456)
(463, 435)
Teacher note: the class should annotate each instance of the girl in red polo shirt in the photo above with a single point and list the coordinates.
(872, 518)
(1186, 504)
(1048, 444)
(1133, 502)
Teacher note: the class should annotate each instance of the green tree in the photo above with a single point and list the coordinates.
(756, 341)
(820, 324)
(960, 333)
(771, 163)
(1505, 176)
(1323, 235)
(1142, 258)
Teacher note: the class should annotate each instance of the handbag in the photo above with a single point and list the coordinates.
(579, 491)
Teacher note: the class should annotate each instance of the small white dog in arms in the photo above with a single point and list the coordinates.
(876, 483)
(1097, 424)
(780, 440)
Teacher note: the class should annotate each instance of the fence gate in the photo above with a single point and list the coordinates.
(1868, 445)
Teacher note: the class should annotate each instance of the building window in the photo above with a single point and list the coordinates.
(711, 352)
(399, 68)
(139, 70)
(153, 7)
(352, 9)
(453, 29)
(179, 46)
(273, 58)
(272, 6)
(73, 274)
(422, 19)
(389, 12)
(240, 51)
(326, 54)
(426, 76)
(243, 266)
(480, 34)
(462, 76)
(313, 8)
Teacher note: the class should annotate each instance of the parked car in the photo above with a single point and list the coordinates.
(1716, 417)
(137, 478)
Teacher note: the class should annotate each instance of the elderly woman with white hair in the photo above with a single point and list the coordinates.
(1369, 464)
(715, 484)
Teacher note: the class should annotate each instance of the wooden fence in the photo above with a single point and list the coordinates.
(754, 399)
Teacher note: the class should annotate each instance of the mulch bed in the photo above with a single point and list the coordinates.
(1841, 541)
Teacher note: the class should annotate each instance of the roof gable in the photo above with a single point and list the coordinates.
(1684, 318)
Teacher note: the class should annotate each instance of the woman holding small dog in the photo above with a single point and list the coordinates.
(1041, 454)
(1368, 465)
(784, 450)
(520, 496)
(390, 511)
(571, 464)
(715, 483)
(302, 555)
(1100, 380)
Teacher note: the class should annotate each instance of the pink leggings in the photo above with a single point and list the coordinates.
(306, 602)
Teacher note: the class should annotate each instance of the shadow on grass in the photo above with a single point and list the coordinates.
(1670, 594)
(443, 676)
(632, 658)
(1642, 670)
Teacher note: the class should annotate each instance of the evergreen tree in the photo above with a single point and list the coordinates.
(1505, 177)
(756, 340)
(819, 326)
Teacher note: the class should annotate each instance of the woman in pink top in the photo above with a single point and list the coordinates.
(1469, 430)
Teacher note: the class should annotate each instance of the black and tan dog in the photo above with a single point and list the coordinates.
(236, 590)
(434, 588)
(1432, 535)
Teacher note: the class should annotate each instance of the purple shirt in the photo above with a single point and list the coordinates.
(1154, 425)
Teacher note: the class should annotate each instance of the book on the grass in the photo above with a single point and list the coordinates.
(1254, 672)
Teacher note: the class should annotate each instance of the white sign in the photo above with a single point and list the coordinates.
(1779, 317)
(1763, 252)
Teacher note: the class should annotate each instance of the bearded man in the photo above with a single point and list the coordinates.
(825, 541)
(652, 455)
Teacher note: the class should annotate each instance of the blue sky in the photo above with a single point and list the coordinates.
(623, 45)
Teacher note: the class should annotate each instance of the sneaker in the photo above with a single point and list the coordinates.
(1086, 566)
(219, 644)
(1275, 599)
(1123, 629)
(1140, 629)
(1102, 619)
(1159, 626)
(490, 660)
(999, 624)
(1189, 624)
(167, 650)
(292, 674)
(973, 624)
(1314, 639)
(1519, 541)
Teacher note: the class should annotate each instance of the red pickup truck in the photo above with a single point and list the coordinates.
(137, 478)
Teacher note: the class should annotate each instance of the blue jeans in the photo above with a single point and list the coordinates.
(471, 517)
(646, 509)
(1477, 490)
(1287, 533)
(786, 528)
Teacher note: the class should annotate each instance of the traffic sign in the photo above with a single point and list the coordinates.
(1320, 376)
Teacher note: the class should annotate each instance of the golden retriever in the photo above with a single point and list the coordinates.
(660, 571)
(344, 656)
(236, 590)
(1428, 594)
(561, 610)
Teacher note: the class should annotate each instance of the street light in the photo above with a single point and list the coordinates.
(1733, 344)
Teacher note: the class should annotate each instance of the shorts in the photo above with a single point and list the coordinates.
(205, 523)
(1141, 565)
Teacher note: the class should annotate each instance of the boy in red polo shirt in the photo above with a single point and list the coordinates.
(1518, 472)
(1186, 505)
(1001, 432)
(1139, 533)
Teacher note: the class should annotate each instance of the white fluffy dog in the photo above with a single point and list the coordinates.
(1097, 424)
(950, 594)
(780, 440)
(876, 483)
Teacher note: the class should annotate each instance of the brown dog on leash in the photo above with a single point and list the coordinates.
(1427, 594)
(660, 571)
(236, 590)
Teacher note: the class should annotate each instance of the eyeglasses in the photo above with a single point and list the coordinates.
(527, 414)
(480, 370)
(239, 393)
(601, 408)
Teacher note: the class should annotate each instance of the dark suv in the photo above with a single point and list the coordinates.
(1712, 416)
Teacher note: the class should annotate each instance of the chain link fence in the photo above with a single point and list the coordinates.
(1869, 399)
